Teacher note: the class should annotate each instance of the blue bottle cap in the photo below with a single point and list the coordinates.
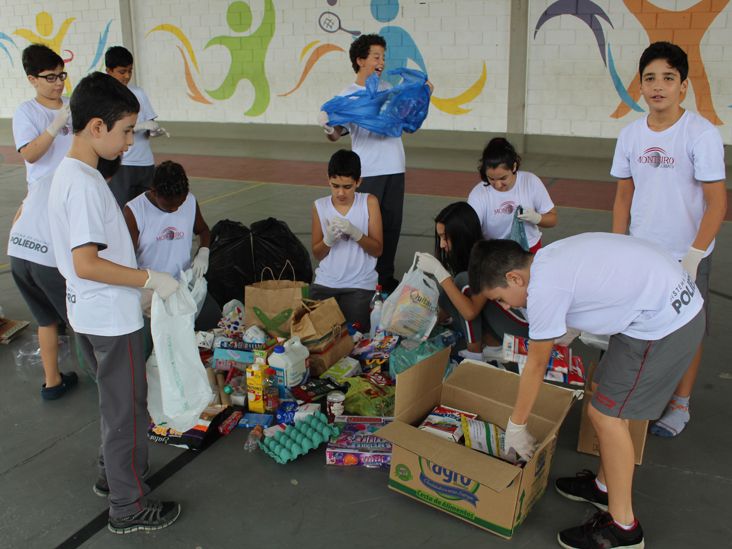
(279, 349)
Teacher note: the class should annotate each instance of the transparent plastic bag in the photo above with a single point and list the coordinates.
(28, 356)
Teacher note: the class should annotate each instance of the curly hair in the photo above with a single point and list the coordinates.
(361, 46)
(170, 180)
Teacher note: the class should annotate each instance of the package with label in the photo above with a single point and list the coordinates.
(380, 347)
(367, 399)
(446, 422)
(344, 368)
(356, 445)
(516, 349)
(487, 438)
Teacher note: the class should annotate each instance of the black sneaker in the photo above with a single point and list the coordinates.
(101, 486)
(57, 391)
(155, 515)
(582, 487)
(601, 532)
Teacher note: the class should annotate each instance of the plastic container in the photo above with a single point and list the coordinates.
(271, 394)
(289, 361)
(375, 318)
(376, 297)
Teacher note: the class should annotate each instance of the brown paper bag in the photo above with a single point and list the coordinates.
(317, 322)
(269, 304)
(321, 361)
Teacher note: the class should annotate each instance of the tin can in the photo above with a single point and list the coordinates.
(334, 405)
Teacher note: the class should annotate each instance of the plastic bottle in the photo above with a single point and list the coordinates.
(375, 318)
(377, 297)
(289, 363)
(271, 394)
(255, 435)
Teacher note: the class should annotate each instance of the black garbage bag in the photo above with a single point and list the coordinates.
(239, 255)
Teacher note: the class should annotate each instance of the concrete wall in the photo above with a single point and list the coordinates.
(552, 68)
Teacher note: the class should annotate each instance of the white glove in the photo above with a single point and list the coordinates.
(530, 216)
(431, 265)
(59, 121)
(348, 228)
(200, 263)
(332, 234)
(519, 439)
(146, 126)
(159, 131)
(691, 260)
(161, 283)
(323, 122)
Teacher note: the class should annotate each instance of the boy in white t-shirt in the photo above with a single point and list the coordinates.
(136, 172)
(591, 282)
(346, 239)
(503, 189)
(671, 189)
(382, 157)
(42, 133)
(95, 255)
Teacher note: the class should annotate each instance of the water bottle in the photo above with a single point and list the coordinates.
(255, 435)
(377, 297)
(375, 318)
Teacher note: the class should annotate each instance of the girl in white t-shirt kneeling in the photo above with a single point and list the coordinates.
(347, 239)
(503, 189)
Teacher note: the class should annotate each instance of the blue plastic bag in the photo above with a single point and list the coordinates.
(518, 232)
(388, 112)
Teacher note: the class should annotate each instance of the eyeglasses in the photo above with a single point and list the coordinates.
(51, 78)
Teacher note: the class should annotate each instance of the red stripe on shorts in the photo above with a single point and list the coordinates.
(637, 377)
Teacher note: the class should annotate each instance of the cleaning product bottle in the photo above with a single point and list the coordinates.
(376, 298)
(375, 318)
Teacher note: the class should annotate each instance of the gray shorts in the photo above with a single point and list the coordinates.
(636, 378)
(354, 302)
(43, 289)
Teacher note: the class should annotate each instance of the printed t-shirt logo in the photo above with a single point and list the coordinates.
(170, 233)
(657, 158)
(506, 208)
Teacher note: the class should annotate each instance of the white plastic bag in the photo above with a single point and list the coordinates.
(411, 310)
(197, 286)
(178, 388)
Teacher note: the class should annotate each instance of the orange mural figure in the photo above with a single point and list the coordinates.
(44, 26)
(685, 28)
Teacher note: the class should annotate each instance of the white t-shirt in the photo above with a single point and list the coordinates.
(609, 284)
(140, 153)
(495, 209)
(347, 265)
(29, 121)
(83, 210)
(669, 169)
(165, 237)
(379, 154)
(30, 236)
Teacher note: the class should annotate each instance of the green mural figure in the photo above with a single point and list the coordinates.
(247, 54)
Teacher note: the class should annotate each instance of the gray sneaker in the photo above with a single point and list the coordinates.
(155, 515)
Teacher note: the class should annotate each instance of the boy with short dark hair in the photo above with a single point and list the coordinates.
(347, 239)
(382, 157)
(671, 190)
(95, 254)
(136, 172)
(590, 282)
(42, 133)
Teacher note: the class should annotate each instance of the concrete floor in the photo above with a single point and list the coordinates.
(231, 498)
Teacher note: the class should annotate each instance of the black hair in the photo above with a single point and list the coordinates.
(38, 58)
(108, 167)
(673, 54)
(490, 260)
(360, 48)
(345, 163)
(118, 56)
(498, 152)
(98, 95)
(462, 229)
(170, 180)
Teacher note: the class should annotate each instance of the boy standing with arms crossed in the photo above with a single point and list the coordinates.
(95, 255)
(671, 190)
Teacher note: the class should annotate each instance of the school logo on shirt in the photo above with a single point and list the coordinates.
(682, 295)
(170, 233)
(657, 158)
(506, 208)
(30, 243)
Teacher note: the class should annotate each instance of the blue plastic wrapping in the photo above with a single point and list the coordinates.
(518, 232)
(389, 111)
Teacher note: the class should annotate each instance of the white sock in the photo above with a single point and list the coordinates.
(625, 527)
(600, 485)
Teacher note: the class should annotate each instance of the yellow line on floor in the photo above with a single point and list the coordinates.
(232, 193)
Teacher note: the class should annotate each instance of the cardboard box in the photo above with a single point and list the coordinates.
(10, 328)
(321, 361)
(587, 441)
(477, 488)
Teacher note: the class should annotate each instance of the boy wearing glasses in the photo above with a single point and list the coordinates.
(42, 133)
(135, 175)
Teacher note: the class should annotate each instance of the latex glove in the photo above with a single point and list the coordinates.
(530, 216)
(200, 263)
(519, 439)
(161, 283)
(332, 234)
(146, 126)
(59, 121)
(431, 265)
(323, 122)
(158, 132)
(691, 260)
(348, 228)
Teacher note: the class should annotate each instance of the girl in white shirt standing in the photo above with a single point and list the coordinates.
(503, 188)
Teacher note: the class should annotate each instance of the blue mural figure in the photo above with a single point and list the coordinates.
(400, 46)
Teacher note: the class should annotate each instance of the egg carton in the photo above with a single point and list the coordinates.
(297, 440)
